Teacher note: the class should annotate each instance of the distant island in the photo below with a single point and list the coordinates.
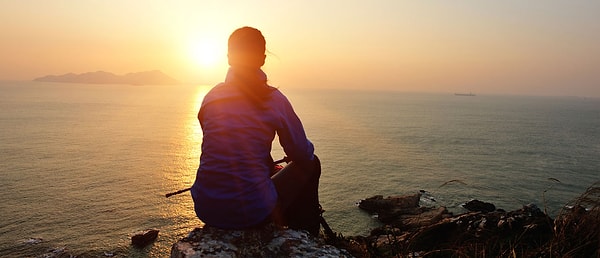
(155, 77)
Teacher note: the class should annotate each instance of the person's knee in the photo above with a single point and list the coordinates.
(316, 167)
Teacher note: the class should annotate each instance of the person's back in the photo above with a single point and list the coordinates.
(239, 119)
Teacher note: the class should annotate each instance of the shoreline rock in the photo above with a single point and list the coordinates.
(144, 238)
(481, 231)
(427, 229)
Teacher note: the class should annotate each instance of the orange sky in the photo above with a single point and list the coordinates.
(484, 47)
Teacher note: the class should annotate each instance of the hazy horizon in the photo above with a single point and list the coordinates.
(508, 47)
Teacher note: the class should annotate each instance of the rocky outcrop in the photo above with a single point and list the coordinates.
(409, 228)
(403, 212)
(268, 241)
(529, 225)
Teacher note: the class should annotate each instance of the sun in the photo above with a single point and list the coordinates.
(207, 53)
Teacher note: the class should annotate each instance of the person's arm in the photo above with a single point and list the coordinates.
(292, 136)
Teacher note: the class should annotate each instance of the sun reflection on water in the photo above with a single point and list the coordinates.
(187, 148)
(190, 147)
(180, 172)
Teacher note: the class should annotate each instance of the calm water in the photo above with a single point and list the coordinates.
(85, 166)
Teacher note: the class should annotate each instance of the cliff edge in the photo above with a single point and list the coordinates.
(268, 241)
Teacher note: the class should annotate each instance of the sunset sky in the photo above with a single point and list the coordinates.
(485, 47)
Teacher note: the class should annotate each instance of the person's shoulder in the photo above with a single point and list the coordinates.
(276, 93)
(278, 97)
(218, 87)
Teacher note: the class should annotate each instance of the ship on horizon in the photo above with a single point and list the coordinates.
(470, 94)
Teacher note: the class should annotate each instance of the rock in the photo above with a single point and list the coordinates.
(269, 241)
(428, 217)
(403, 211)
(410, 229)
(144, 238)
(529, 225)
(477, 205)
(482, 232)
(378, 204)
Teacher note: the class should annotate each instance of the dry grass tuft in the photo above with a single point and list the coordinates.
(577, 230)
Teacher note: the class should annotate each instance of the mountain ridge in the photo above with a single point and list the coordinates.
(154, 77)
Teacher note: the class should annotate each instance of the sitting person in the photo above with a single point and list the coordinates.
(234, 188)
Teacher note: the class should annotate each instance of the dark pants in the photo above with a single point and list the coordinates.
(298, 190)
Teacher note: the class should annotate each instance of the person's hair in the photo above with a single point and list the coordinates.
(246, 54)
(246, 48)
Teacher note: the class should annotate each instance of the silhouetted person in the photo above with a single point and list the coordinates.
(239, 118)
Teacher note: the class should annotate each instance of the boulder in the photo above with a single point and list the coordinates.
(144, 238)
(403, 211)
(378, 204)
(477, 205)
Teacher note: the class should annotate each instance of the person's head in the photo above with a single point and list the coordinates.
(246, 48)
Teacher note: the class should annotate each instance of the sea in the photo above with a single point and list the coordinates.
(83, 167)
